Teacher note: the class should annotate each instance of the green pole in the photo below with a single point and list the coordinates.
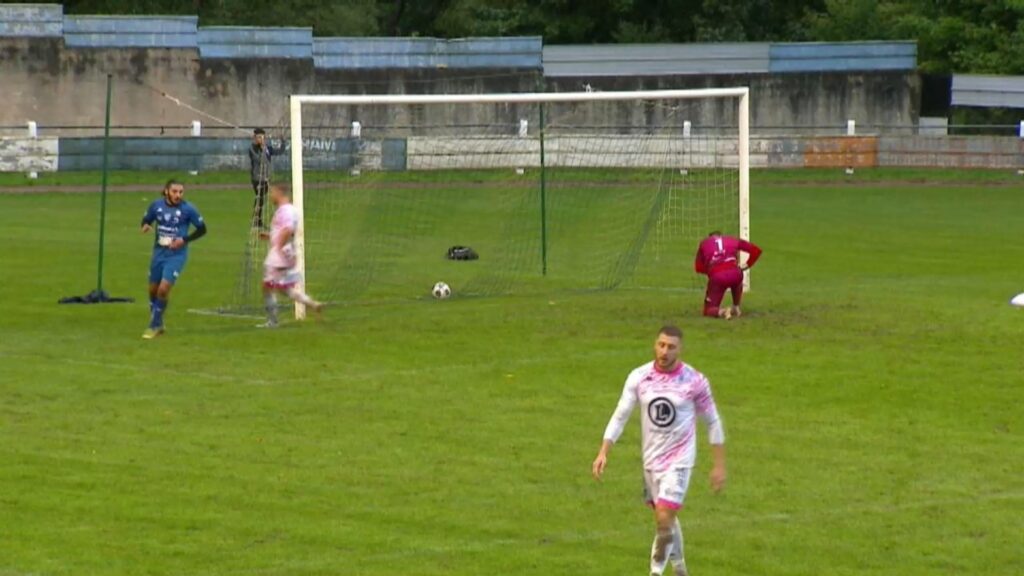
(543, 200)
(103, 189)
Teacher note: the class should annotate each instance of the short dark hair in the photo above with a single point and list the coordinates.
(671, 330)
(715, 233)
(172, 182)
(258, 131)
(284, 188)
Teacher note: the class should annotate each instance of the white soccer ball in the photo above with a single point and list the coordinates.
(441, 291)
(1018, 300)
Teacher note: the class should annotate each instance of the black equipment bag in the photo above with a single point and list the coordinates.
(462, 253)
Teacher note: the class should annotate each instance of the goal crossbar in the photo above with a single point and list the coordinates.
(518, 97)
(742, 94)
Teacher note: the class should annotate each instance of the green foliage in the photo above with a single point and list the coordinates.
(980, 36)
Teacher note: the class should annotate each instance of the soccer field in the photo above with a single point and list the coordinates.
(871, 398)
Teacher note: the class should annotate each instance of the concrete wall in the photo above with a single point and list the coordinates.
(819, 101)
(564, 150)
(57, 87)
(169, 71)
(952, 151)
(60, 87)
(716, 152)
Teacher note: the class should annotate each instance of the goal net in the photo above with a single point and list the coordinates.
(553, 191)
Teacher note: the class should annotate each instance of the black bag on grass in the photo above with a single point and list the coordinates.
(462, 253)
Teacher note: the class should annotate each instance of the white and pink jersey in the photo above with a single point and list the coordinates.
(286, 218)
(670, 403)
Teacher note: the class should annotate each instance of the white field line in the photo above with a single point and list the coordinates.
(285, 308)
(236, 315)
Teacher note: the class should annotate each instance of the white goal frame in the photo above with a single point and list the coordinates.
(742, 94)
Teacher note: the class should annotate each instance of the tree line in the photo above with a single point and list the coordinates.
(978, 36)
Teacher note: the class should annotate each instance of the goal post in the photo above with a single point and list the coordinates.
(298, 200)
(572, 136)
(743, 117)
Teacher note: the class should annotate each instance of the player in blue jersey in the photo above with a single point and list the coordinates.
(171, 217)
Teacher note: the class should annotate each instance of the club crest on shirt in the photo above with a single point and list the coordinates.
(662, 412)
(170, 218)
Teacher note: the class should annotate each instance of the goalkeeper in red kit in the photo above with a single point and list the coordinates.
(718, 257)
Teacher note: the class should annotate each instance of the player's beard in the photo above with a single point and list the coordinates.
(665, 365)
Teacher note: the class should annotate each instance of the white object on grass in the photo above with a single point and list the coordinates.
(34, 133)
(1018, 300)
(441, 291)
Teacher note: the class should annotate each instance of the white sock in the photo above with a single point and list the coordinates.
(676, 557)
(270, 304)
(300, 296)
(661, 549)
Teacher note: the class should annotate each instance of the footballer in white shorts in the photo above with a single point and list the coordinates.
(280, 278)
(280, 269)
(667, 488)
(671, 396)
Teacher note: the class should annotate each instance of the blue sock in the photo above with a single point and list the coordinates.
(157, 320)
(152, 303)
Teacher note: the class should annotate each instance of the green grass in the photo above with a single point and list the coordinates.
(758, 176)
(871, 399)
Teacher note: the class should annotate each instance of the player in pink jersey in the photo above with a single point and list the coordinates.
(718, 257)
(279, 273)
(671, 396)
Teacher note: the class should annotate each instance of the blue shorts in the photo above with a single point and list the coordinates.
(166, 268)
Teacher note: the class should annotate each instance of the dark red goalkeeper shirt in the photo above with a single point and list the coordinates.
(717, 253)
